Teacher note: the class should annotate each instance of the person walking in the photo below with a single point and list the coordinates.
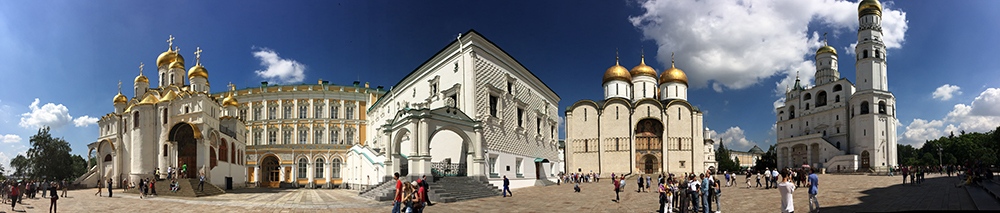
(397, 196)
(201, 181)
(53, 196)
(65, 187)
(727, 179)
(785, 188)
(109, 186)
(45, 188)
(170, 172)
(14, 195)
(748, 178)
(767, 178)
(506, 187)
(617, 189)
(100, 185)
(423, 191)
(649, 182)
(813, 185)
(774, 177)
(639, 181)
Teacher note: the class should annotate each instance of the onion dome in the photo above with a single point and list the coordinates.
(617, 72)
(168, 57)
(177, 65)
(826, 49)
(171, 95)
(120, 99)
(141, 78)
(673, 74)
(869, 7)
(198, 70)
(642, 69)
(229, 101)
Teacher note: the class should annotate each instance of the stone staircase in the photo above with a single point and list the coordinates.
(187, 189)
(454, 189)
(381, 192)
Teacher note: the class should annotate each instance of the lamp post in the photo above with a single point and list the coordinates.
(940, 159)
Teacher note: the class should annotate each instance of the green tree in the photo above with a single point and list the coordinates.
(725, 160)
(767, 160)
(21, 166)
(79, 166)
(49, 157)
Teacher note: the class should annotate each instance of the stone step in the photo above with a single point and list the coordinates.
(982, 198)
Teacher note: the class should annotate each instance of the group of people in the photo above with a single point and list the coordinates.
(410, 197)
(14, 191)
(580, 177)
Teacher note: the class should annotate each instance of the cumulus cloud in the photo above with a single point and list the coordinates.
(84, 121)
(946, 92)
(50, 115)
(734, 138)
(982, 115)
(10, 138)
(736, 44)
(279, 69)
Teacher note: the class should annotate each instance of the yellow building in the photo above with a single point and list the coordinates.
(747, 159)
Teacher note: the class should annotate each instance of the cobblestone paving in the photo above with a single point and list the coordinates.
(838, 193)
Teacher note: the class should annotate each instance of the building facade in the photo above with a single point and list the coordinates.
(299, 135)
(644, 125)
(470, 110)
(175, 124)
(836, 124)
(747, 159)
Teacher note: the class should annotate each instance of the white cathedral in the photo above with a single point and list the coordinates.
(644, 125)
(839, 125)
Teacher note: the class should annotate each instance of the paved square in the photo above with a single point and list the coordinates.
(838, 193)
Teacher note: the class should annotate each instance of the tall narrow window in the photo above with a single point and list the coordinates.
(349, 112)
(520, 117)
(335, 112)
(256, 114)
(302, 111)
(349, 136)
(135, 119)
(318, 138)
(493, 106)
(318, 113)
(272, 137)
(287, 137)
(164, 116)
(257, 138)
(319, 168)
(302, 136)
(334, 137)
(335, 168)
(272, 112)
(302, 168)
(287, 112)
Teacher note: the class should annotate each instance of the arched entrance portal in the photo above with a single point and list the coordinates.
(649, 145)
(187, 148)
(449, 152)
(270, 172)
(865, 159)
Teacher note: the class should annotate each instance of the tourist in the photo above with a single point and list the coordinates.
(617, 188)
(706, 187)
(727, 179)
(639, 181)
(813, 185)
(906, 172)
(152, 186)
(424, 187)
(715, 192)
(142, 192)
(14, 194)
(417, 198)
(201, 181)
(758, 179)
(748, 178)
(767, 178)
(576, 188)
(53, 197)
(45, 188)
(173, 184)
(785, 188)
(99, 187)
(695, 198)
(398, 194)
(109, 186)
(65, 187)
(649, 182)
(774, 178)
(683, 194)
(506, 187)
(170, 172)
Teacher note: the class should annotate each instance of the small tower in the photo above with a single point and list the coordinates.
(230, 103)
(198, 75)
(170, 65)
(141, 83)
(617, 82)
(673, 83)
(870, 51)
(120, 101)
(643, 80)
(826, 64)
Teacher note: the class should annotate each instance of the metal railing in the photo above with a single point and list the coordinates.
(450, 169)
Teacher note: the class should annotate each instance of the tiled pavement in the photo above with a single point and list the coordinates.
(838, 193)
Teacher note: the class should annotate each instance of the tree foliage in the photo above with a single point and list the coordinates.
(767, 160)
(20, 165)
(953, 149)
(726, 163)
(49, 157)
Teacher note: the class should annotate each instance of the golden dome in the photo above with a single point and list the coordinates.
(826, 49)
(177, 65)
(229, 101)
(168, 57)
(869, 7)
(120, 99)
(198, 70)
(673, 74)
(141, 78)
(171, 95)
(642, 69)
(149, 100)
(617, 72)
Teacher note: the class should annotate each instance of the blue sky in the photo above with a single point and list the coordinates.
(62, 60)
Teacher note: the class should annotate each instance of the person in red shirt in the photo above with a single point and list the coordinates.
(617, 198)
(398, 194)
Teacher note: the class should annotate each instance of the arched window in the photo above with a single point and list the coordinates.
(212, 159)
(865, 54)
(319, 168)
(335, 168)
(878, 54)
(791, 112)
(107, 158)
(232, 153)
(837, 99)
(164, 116)
(302, 168)
(837, 88)
(224, 151)
(821, 99)
(164, 150)
(881, 107)
(864, 107)
(135, 119)
(807, 96)
(807, 106)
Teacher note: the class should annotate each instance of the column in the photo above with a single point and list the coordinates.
(281, 174)
(478, 165)
(256, 175)
(422, 163)
(809, 156)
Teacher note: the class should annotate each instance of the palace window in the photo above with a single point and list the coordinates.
(318, 113)
(349, 112)
(302, 168)
(335, 168)
(272, 112)
(520, 117)
(272, 137)
(303, 110)
(349, 136)
(493, 106)
(256, 114)
(335, 137)
(319, 168)
(335, 112)
(256, 138)
(302, 136)
(318, 139)
(538, 126)
(287, 137)
(135, 119)
(287, 113)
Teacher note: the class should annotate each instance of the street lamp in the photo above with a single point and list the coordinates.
(940, 159)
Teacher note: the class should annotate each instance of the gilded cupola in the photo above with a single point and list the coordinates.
(673, 74)
(120, 99)
(617, 72)
(869, 7)
(198, 70)
(170, 56)
(643, 69)
(826, 49)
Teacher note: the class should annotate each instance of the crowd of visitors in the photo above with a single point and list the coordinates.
(14, 191)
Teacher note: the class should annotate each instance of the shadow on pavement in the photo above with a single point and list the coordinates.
(900, 197)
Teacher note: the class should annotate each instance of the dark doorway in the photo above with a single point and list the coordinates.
(865, 159)
(650, 164)
(187, 148)
(271, 172)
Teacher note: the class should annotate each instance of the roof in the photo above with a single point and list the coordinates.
(756, 150)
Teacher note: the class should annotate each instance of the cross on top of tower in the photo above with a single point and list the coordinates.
(140, 67)
(824, 40)
(119, 86)
(197, 56)
(170, 42)
(671, 59)
(616, 56)
(231, 86)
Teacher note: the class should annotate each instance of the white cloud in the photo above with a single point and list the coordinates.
(10, 138)
(84, 121)
(982, 115)
(738, 43)
(50, 115)
(945, 92)
(279, 69)
(777, 103)
(734, 138)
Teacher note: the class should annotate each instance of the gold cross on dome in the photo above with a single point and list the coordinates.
(119, 86)
(231, 86)
(140, 67)
(197, 56)
(170, 41)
